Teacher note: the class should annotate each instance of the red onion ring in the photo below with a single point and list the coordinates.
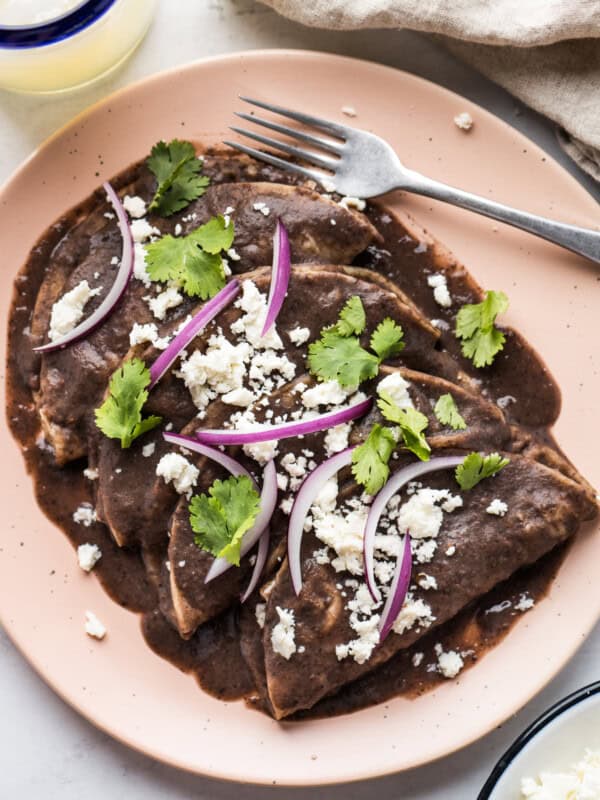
(108, 305)
(398, 590)
(198, 322)
(229, 463)
(285, 430)
(268, 500)
(307, 494)
(394, 484)
(280, 275)
(259, 564)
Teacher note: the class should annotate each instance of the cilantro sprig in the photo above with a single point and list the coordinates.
(220, 518)
(120, 415)
(177, 172)
(481, 341)
(412, 425)
(447, 413)
(476, 467)
(194, 261)
(370, 459)
(339, 355)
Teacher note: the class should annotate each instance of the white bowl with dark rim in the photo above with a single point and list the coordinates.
(553, 743)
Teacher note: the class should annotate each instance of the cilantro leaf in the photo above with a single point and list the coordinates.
(335, 357)
(339, 355)
(215, 235)
(192, 261)
(370, 459)
(475, 326)
(220, 518)
(387, 339)
(411, 423)
(120, 415)
(476, 467)
(447, 413)
(177, 173)
(352, 318)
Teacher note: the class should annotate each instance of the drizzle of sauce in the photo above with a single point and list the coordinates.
(213, 654)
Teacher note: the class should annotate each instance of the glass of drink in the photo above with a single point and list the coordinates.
(53, 45)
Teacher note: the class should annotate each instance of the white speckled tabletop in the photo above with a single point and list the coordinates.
(47, 750)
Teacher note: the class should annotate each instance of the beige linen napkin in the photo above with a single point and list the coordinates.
(546, 52)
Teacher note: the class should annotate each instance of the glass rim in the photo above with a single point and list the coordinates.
(22, 37)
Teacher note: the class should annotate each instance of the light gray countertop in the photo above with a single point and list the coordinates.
(46, 749)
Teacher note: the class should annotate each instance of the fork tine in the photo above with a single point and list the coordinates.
(325, 144)
(316, 122)
(319, 161)
(277, 162)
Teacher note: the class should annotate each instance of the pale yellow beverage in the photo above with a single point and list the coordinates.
(52, 45)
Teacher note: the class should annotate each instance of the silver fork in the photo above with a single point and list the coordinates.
(357, 163)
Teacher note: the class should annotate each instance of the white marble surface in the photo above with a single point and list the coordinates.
(46, 749)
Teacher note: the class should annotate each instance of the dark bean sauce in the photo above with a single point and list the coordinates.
(213, 654)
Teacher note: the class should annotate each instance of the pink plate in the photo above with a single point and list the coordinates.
(119, 684)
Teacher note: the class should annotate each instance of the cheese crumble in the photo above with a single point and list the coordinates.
(422, 517)
(464, 121)
(328, 393)
(254, 305)
(449, 663)
(283, 635)
(134, 206)
(581, 782)
(176, 469)
(88, 556)
(68, 311)
(439, 284)
(497, 507)
(147, 333)
(397, 388)
(260, 613)
(299, 335)
(263, 208)
(84, 515)
(93, 627)
(353, 202)
(167, 299)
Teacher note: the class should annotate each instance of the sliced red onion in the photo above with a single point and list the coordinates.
(398, 590)
(198, 322)
(122, 278)
(394, 484)
(285, 430)
(268, 500)
(229, 463)
(259, 564)
(280, 275)
(307, 494)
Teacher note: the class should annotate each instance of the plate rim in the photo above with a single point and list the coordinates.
(258, 54)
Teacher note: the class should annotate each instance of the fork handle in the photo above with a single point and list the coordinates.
(583, 241)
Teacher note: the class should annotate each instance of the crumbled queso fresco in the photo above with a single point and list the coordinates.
(464, 121)
(88, 556)
(176, 469)
(497, 507)
(93, 627)
(397, 388)
(283, 634)
(439, 284)
(580, 782)
(85, 515)
(68, 311)
(340, 529)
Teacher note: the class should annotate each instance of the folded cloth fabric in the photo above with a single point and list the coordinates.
(546, 52)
